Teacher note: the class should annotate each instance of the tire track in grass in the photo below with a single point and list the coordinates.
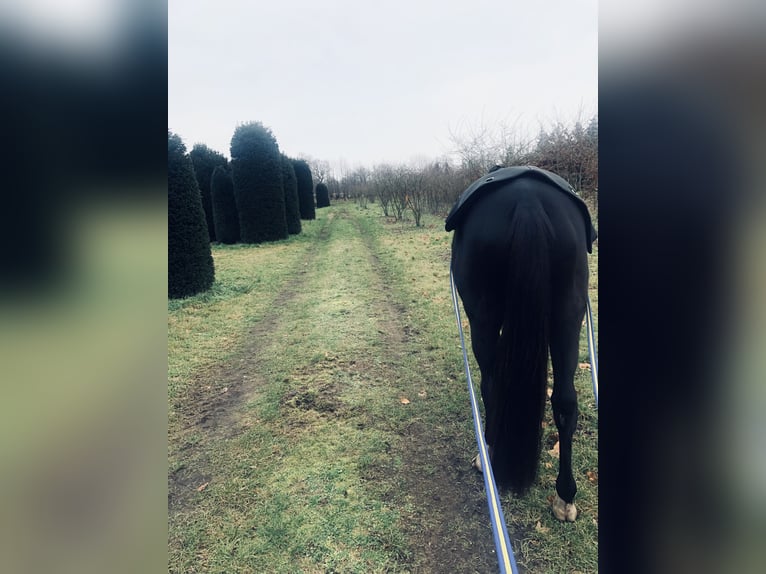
(333, 420)
(213, 402)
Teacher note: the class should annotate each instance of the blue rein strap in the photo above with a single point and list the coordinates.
(592, 352)
(505, 556)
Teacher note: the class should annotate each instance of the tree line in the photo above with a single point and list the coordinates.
(409, 191)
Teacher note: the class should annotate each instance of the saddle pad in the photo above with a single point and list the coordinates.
(506, 174)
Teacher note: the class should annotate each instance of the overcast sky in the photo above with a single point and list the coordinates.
(374, 82)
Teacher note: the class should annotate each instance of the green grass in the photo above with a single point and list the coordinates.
(420, 258)
(285, 388)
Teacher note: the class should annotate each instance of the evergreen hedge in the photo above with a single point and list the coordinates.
(323, 196)
(256, 165)
(290, 185)
(225, 213)
(205, 161)
(305, 189)
(190, 261)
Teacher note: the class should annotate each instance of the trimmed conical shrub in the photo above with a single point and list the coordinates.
(224, 207)
(323, 196)
(205, 161)
(305, 189)
(256, 165)
(190, 262)
(290, 185)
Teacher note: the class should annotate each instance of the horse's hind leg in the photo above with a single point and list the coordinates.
(484, 334)
(485, 329)
(564, 343)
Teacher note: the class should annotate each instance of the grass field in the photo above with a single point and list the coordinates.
(319, 419)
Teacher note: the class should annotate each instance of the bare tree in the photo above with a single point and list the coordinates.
(383, 185)
(570, 152)
(320, 169)
(427, 186)
(478, 149)
(416, 197)
(399, 191)
(357, 186)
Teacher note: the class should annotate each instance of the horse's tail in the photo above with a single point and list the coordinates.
(521, 367)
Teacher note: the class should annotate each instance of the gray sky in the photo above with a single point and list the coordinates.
(373, 82)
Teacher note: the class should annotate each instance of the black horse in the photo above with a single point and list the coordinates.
(519, 260)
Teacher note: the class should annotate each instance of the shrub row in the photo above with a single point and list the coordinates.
(260, 195)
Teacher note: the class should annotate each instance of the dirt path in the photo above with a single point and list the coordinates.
(439, 498)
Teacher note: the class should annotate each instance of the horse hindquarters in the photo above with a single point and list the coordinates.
(520, 265)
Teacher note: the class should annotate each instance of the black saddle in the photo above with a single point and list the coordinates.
(503, 175)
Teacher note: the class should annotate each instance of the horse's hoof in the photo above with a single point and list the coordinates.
(564, 511)
(476, 463)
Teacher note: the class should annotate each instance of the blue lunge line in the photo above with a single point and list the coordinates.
(505, 556)
(592, 352)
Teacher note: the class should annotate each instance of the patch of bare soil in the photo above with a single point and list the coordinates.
(450, 524)
(210, 408)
